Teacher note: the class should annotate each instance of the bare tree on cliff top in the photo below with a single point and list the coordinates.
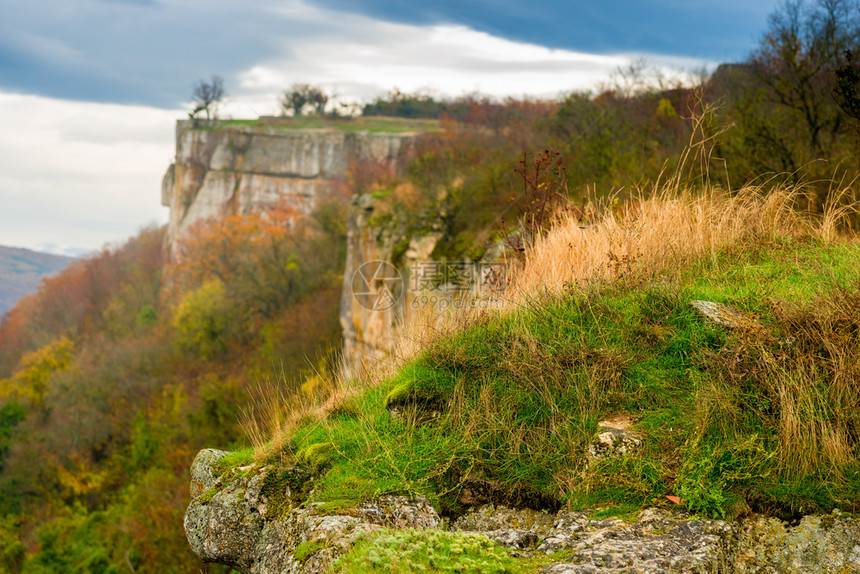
(207, 95)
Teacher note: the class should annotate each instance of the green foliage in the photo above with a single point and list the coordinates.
(405, 106)
(406, 551)
(202, 319)
(631, 481)
(147, 317)
(11, 413)
(72, 545)
(666, 110)
(12, 551)
(709, 477)
(220, 404)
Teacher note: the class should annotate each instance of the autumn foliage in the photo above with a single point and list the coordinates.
(112, 379)
(120, 368)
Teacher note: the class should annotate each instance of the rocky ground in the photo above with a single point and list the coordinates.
(237, 519)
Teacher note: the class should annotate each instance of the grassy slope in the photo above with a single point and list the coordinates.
(522, 393)
(763, 418)
(21, 270)
(733, 421)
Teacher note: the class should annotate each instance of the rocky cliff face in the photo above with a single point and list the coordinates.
(229, 169)
(376, 295)
(262, 520)
(238, 169)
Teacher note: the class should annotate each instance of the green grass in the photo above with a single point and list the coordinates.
(236, 458)
(406, 551)
(729, 420)
(357, 124)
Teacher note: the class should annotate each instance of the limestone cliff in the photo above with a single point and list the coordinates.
(242, 167)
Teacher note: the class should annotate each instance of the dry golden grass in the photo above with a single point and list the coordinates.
(661, 233)
(648, 236)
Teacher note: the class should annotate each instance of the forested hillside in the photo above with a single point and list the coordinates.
(21, 270)
(121, 367)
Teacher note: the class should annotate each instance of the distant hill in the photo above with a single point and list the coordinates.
(21, 271)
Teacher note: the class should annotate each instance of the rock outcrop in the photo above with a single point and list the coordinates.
(263, 520)
(241, 168)
(238, 168)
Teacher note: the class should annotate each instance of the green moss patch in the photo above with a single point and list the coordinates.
(307, 549)
(317, 456)
(427, 551)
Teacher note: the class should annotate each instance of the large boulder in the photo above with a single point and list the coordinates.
(260, 520)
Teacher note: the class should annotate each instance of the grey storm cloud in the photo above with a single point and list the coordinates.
(131, 51)
(90, 89)
(151, 51)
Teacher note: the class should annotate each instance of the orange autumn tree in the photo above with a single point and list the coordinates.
(265, 261)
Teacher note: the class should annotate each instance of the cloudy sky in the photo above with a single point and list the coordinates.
(90, 89)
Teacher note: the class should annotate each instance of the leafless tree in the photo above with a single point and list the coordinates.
(797, 59)
(207, 95)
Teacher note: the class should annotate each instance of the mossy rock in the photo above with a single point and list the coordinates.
(406, 401)
(286, 488)
(317, 457)
(206, 497)
(420, 387)
(307, 549)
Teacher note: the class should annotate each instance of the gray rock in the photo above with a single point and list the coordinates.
(613, 442)
(232, 520)
(202, 476)
(565, 533)
(488, 517)
(304, 543)
(817, 545)
(400, 512)
(512, 538)
(225, 528)
(727, 316)
(658, 542)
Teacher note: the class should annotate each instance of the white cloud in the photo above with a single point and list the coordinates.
(360, 58)
(80, 174)
(83, 174)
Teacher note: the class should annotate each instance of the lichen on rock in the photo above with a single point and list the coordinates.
(259, 517)
(261, 520)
